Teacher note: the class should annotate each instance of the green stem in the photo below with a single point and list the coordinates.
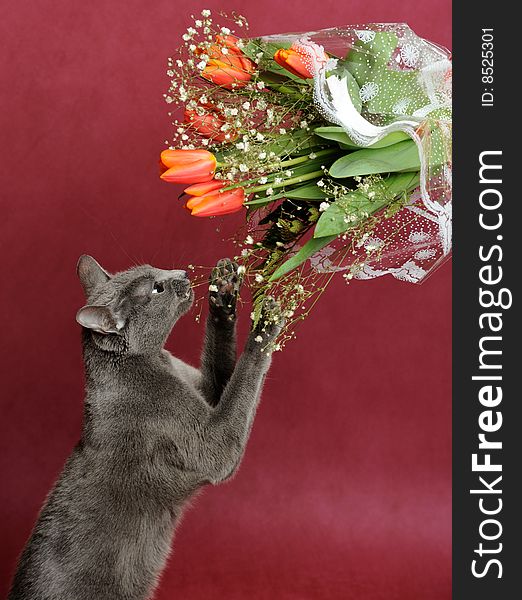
(279, 87)
(291, 181)
(306, 157)
(275, 174)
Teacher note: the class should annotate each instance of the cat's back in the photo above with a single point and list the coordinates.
(98, 535)
(113, 509)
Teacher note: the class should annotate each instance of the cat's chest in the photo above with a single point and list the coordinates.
(163, 382)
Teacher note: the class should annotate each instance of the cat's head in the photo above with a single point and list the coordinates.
(132, 311)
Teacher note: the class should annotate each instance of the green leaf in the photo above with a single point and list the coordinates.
(368, 161)
(395, 87)
(270, 78)
(310, 191)
(328, 229)
(338, 134)
(392, 138)
(251, 48)
(354, 205)
(307, 191)
(255, 46)
(289, 143)
(368, 62)
(357, 205)
(402, 182)
(365, 56)
(263, 201)
(312, 246)
(353, 89)
(312, 164)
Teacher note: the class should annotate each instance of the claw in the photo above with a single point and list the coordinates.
(225, 283)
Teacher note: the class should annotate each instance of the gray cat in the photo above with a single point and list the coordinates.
(155, 431)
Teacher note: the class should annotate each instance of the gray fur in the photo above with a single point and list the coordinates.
(155, 431)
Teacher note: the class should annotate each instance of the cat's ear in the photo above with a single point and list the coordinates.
(100, 318)
(91, 274)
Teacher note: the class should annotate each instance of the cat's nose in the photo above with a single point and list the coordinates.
(180, 283)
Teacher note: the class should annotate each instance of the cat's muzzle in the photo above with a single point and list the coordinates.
(182, 285)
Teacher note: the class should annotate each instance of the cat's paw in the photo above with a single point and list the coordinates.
(225, 282)
(269, 326)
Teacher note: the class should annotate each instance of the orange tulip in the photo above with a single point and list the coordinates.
(200, 189)
(230, 41)
(188, 166)
(300, 60)
(209, 124)
(228, 70)
(225, 74)
(193, 202)
(233, 53)
(217, 203)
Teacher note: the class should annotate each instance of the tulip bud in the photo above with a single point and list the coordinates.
(200, 189)
(209, 124)
(217, 203)
(230, 70)
(300, 60)
(188, 166)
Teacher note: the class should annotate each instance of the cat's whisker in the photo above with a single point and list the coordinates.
(198, 284)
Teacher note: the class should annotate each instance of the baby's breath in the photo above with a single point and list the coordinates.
(245, 125)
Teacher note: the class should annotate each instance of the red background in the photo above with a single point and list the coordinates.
(345, 489)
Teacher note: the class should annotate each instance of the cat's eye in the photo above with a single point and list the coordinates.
(157, 288)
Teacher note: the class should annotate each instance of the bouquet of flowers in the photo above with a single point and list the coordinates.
(335, 145)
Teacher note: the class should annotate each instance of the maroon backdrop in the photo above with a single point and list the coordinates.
(345, 489)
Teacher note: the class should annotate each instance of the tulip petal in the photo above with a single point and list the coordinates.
(222, 203)
(292, 62)
(225, 75)
(171, 158)
(298, 61)
(217, 212)
(230, 41)
(188, 166)
(201, 189)
(194, 172)
(297, 64)
(194, 201)
(208, 124)
(234, 56)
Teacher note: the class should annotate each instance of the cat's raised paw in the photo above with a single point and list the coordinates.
(225, 282)
(268, 327)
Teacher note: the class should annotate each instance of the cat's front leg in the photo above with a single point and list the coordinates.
(229, 426)
(219, 352)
